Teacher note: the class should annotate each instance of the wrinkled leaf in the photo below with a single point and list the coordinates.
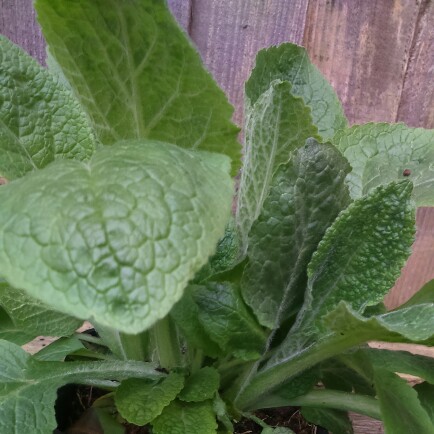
(381, 153)
(201, 385)
(401, 410)
(32, 316)
(276, 124)
(115, 240)
(186, 417)
(40, 121)
(141, 401)
(289, 62)
(28, 387)
(137, 75)
(227, 320)
(306, 196)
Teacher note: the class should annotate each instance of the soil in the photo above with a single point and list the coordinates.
(73, 416)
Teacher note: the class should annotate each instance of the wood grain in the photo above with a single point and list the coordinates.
(229, 33)
(363, 49)
(182, 9)
(18, 23)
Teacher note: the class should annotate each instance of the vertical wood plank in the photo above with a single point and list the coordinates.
(416, 107)
(182, 10)
(18, 23)
(229, 33)
(363, 49)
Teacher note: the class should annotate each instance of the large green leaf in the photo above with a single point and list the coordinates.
(228, 321)
(40, 121)
(28, 387)
(276, 124)
(186, 417)
(289, 62)
(115, 240)
(32, 316)
(141, 401)
(136, 73)
(401, 410)
(201, 385)
(13, 333)
(381, 153)
(306, 196)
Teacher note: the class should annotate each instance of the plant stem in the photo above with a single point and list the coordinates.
(361, 404)
(166, 344)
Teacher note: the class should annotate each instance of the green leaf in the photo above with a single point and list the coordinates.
(137, 75)
(305, 198)
(227, 320)
(40, 121)
(381, 153)
(201, 385)
(425, 393)
(278, 430)
(28, 387)
(289, 62)
(185, 314)
(401, 410)
(424, 295)
(335, 421)
(115, 240)
(276, 124)
(12, 333)
(59, 349)
(141, 401)
(33, 316)
(186, 417)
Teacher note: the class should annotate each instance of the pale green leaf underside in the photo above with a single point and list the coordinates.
(186, 417)
(137, 75)
(32, 316)
(201, 385)
(276, 124)
(357, 261)
(28, 387)
(306, 195)
(401, 410)
(40, 121)
(141, 401)
(381, 153)
(289, 62)
(115, 240)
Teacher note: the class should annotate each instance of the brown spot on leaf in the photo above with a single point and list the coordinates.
(3, 181)
(406, 172)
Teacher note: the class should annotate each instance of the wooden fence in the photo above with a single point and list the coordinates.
(378, 55)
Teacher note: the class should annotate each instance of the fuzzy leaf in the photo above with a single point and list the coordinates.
(115, 240)
(137, 75)
(306, 196)
(289, 62)
(141, 401)
(381, 153)
(28, 387)
(40, 121)
(201, 385)
(401, 410)
(228, 321)
(32, 316)
(276, 124)
(186, 417)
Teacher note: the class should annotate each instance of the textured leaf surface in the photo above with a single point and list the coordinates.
(289, 62)
(186, 417)
(28, 387)
(40, 121)
(401, 410)
(228, 321)
(357, 262)
(141, 401)
(425, 393)
(136, 73)
(32, 316)
(115, 240)
(59, 349)
(305, 197)
(335, 421)
(276, 124)
(201, 385)
(12, 333)
(381, 153)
